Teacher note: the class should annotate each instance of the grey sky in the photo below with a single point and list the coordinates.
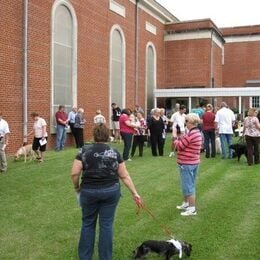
(224, 13)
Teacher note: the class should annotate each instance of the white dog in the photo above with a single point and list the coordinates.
(25, 151)
(218, 145)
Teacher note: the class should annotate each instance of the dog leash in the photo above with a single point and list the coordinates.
(164, 228)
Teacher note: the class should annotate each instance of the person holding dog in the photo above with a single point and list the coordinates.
(188, 159)
(4, 138)
(251, 131)
(40, 136)
(100, 167)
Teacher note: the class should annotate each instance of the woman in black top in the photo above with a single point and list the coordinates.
(156, 129)
(100, 168)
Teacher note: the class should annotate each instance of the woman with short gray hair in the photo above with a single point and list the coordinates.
(188, 158)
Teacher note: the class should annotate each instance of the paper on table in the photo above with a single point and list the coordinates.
(43, 141)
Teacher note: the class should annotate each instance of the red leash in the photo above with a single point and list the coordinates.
(164, 228)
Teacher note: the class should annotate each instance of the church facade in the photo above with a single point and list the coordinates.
(92, 53)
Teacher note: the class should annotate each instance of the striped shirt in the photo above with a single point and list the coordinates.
(188, 147)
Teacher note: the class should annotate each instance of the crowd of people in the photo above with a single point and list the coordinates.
(98, 167)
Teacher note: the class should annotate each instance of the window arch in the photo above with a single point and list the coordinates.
(63, 57)
(150, 75)
(117, 67)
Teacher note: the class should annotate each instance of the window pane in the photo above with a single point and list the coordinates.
(117, 69)
(150, 78)
(62, 67)
(63, 26)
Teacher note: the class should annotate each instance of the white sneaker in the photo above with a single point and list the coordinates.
(129, 160)
(189, 212)
(171, 154)
(183, 206)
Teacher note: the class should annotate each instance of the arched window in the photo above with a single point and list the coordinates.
(117, 67)
(64, 56)
(150, 76)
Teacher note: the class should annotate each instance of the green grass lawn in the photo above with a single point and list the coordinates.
(40, 218)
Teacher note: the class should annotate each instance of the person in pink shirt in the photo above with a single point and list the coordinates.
(127, 130)
(188, 159)
(251, 132)
(40, 136)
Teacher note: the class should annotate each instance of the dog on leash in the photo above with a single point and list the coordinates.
(239, 149)
(166, 248)
(25, 151)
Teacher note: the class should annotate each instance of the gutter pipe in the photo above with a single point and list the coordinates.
(25, 69)
(136, 50)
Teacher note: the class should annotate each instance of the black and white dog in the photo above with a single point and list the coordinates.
(166, 248)
(239, 149)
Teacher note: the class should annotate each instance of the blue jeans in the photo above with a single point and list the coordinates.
(223, 139)
(99, 204)
(60, 137)
(188, 173)
(128, 139)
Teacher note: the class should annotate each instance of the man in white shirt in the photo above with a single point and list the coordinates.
(224, 120)
(4, 135)
(178, 125)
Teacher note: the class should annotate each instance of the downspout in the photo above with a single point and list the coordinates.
(136, 50)
(25, 69)
(212, 83)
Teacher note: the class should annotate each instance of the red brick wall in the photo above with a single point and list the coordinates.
(188, 63)
(242, 60)
(11, 69)
(217, 65)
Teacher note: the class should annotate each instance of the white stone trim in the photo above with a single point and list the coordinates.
(242, 38)
(208, 92)
(151, 13)
(193, 36)
(117, 8)
(150, 28)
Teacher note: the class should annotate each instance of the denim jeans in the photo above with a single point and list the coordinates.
(99, 204)
(60, 137)
(128, 139)
(223, 139)
(188, 173)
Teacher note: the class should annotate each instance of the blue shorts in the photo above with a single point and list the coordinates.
(188, 173)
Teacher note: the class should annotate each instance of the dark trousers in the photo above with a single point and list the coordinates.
(210, 138)
(79, 137)
(73, 132)
(127, 138)
(138, 141)
(252, 145)
(156, 143)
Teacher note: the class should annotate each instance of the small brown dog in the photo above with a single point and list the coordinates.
(25, 151)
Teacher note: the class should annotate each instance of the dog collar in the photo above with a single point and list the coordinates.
(178, 245)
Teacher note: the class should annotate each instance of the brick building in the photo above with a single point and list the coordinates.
(92, 53)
